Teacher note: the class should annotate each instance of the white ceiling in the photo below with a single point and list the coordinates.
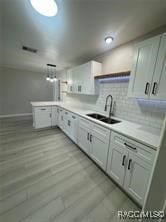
(77, 33)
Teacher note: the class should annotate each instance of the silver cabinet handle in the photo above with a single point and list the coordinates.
(43, 109)
(50, 115)
(131, 147)
(154, 90)
(73, 117)
(147, 88)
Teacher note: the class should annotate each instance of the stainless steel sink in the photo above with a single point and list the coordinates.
(103, 118)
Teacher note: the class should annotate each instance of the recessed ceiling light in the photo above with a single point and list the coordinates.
(45, 7)
(109, 39)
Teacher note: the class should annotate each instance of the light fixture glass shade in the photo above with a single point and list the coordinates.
(108, 39)
(48, 78)
(51, 79)
(45, 7)
(55, 79)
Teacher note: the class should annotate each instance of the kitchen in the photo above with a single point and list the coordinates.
(82, 115)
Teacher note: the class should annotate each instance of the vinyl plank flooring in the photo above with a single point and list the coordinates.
(45, 177)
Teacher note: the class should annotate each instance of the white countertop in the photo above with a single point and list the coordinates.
(127, 128)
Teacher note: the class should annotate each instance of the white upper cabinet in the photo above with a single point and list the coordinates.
(148, 75)
(81, 79)
(159, 78)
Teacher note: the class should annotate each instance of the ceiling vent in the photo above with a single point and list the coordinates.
(26, 48)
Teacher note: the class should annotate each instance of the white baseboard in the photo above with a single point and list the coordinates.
(16, 115)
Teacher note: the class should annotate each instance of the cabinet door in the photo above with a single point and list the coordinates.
(99, 139)
(66, 119)
(60, 119)
(137, 177)
(84, 135)
(143, 67)
(42, 117)
(73, 124)
(117, 162)
(159, 80)
(54, 118)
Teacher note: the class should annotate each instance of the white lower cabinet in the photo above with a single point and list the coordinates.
(94, 140)
(84, 135)
(117, 164)
(61, 118)
(99, 145)
(45, 116)
(137, 177)
(71, 125)
(54, 117)
(130, 164)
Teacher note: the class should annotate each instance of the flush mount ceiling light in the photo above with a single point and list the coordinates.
(109, 39)
(45, 7)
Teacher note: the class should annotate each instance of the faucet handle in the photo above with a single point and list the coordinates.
(105, 109)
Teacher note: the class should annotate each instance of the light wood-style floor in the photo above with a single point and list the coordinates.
(44, 177)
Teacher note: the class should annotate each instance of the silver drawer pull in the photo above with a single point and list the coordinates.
(133, 148)
(43, 109)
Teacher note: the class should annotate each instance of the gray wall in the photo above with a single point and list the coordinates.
(1, 96)
(19, 87)
(1, 42)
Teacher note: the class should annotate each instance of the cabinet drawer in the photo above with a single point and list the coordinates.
(101, 131)
(141, 151)
(43, 109)
(84, 123)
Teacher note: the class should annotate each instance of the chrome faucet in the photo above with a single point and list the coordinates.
(111, 104)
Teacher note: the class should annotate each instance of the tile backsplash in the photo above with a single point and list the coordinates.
(147, 113)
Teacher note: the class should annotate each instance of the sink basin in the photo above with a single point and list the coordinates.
(110, 121)
(103, 118)
(96, 116)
